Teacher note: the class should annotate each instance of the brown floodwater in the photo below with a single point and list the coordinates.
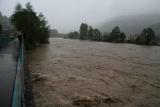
(74, 73)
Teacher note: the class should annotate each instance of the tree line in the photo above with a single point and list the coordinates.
(147, 36)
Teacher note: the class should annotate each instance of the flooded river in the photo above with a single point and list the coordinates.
(73, 73)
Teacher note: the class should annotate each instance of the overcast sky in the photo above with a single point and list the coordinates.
(67, 15)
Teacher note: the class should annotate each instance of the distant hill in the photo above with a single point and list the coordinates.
(132, 24)
(54, 33)
(156, 28)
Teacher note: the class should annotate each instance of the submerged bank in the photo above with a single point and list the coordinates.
(29, 98)
(70, 73)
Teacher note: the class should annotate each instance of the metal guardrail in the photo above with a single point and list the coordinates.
(19, 88)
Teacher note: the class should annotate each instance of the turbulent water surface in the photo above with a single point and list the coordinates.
(73, 73)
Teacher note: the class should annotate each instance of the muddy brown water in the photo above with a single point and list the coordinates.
(73, 73)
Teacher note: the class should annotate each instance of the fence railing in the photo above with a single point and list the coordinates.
(19, 88)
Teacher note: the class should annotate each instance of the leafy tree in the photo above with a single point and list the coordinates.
(90, 33)
(44, 29)
(34, 27)
(115, 34)
(0, 15)
(73, 35)
(1, 29)
(70, 35)
(122, 37)
(83, 31)
(76, 35)
(149, 35)
(105, 37)
(140, 40)
(97, 36)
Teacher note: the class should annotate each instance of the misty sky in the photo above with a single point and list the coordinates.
(67, 15)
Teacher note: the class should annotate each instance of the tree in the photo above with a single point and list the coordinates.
(90, 33)
(148, 35)
(1, 29)
(83, 31)
(34, 27)
(105, 37)
(115, 34)
(76, 35)
(70, 35)
(44, 29)
(122, 37)
(97, 36)
(140, 40)
(0, 15)
(73, 35)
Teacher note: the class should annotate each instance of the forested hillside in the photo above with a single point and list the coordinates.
(156, 28)
(132, 24)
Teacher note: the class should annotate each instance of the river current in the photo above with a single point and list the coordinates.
(74, 73)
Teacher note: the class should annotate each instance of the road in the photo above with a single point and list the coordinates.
(8, 62)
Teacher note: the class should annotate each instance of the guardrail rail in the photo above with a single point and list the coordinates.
(19, 88)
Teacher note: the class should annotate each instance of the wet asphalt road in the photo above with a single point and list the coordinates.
(8, 62)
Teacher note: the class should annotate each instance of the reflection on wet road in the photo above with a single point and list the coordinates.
(8, 63)
(73, 73)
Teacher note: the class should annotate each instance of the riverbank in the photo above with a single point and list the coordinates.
(29, 98)
(73, 73)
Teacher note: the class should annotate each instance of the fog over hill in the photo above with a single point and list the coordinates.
(67, 15)
(156, 28)
(132, 24)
